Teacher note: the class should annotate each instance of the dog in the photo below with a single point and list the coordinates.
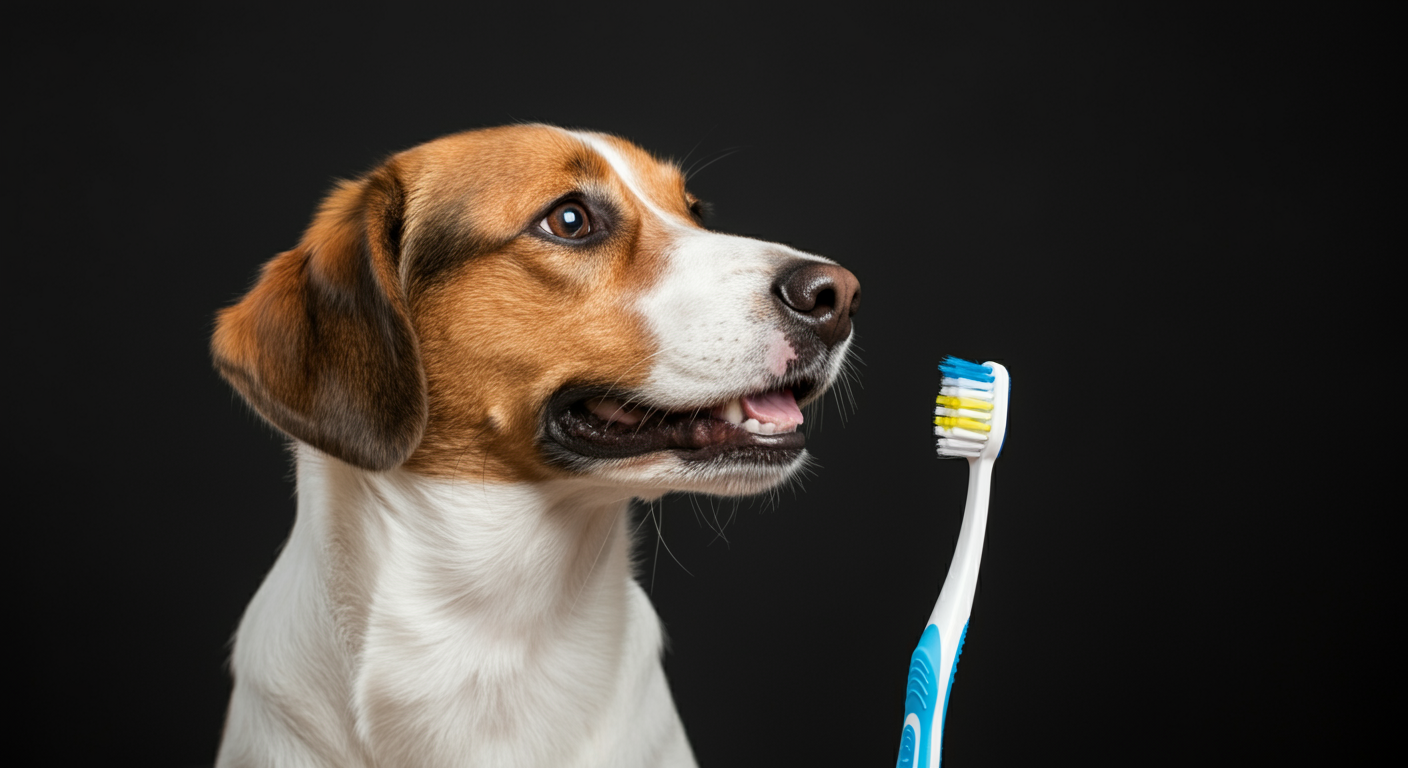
(483, 350)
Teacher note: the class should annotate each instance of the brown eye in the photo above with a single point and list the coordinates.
(568, 220)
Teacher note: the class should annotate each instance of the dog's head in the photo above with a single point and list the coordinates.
(527, 302)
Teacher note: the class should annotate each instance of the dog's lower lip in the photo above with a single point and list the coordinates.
(594, 425)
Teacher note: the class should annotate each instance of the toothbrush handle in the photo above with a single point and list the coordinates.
(935, 659)
(955, 602)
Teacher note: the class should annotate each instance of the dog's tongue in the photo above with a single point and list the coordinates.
(778, 407)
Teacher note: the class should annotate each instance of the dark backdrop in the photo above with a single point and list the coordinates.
(1173, 226)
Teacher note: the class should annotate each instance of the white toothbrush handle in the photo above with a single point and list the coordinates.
(956, 598)
(935, 659)
(955, 603)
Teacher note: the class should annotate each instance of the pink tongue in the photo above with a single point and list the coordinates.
(611, 410)
(778, 407)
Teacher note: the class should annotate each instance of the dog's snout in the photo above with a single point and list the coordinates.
(823, 296)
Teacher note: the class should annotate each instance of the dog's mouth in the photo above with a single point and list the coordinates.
(759, 426)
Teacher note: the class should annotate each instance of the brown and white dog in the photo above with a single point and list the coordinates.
(484, 349)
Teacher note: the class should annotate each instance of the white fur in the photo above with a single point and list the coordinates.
(502, 627)
(430, 623)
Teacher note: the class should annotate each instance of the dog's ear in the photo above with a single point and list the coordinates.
(322, 346)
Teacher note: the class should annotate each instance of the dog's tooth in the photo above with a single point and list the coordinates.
(733, 411)
(767, 427)
(752, 425)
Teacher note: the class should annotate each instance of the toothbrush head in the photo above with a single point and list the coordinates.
(970, 417)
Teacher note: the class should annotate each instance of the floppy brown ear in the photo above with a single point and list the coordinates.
(322, 345)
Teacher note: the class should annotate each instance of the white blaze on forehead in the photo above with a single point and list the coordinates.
(712, 313)
(627, 174)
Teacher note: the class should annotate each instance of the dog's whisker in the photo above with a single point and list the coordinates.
(655, 559)
(643, 518)
(687, 154)
(611, 389)
(714, 509)
(659, 530)
(726, 153)
(688, 172)
(700, 515)
(694, 508)
(610, 527)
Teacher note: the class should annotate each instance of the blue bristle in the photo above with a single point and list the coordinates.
(959, 368)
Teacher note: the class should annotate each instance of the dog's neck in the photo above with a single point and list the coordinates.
(511, 559)
(454, 615)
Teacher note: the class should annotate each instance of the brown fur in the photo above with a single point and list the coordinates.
(322, 346)
(422, 321)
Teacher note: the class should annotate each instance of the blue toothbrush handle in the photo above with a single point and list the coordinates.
(924, 708)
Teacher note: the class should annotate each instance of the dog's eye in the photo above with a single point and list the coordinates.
(568, 220)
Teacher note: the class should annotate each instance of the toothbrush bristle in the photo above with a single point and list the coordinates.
(962, 418)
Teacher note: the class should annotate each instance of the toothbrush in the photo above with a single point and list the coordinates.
(970, 420)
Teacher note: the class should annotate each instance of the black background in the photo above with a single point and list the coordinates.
(1172, 225)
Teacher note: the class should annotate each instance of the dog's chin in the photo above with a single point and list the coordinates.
(649, 477)
(741, 445)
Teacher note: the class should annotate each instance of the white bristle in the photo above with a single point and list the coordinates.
(963, 448)
(971, 394)
(960, 433)
(963, 412)
(982, 386)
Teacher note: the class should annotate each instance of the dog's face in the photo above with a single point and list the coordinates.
(525, 303)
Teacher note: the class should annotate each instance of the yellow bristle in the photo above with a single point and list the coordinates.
(961, 423)
(963, 402)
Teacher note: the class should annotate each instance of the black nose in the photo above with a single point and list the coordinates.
(823, 296)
